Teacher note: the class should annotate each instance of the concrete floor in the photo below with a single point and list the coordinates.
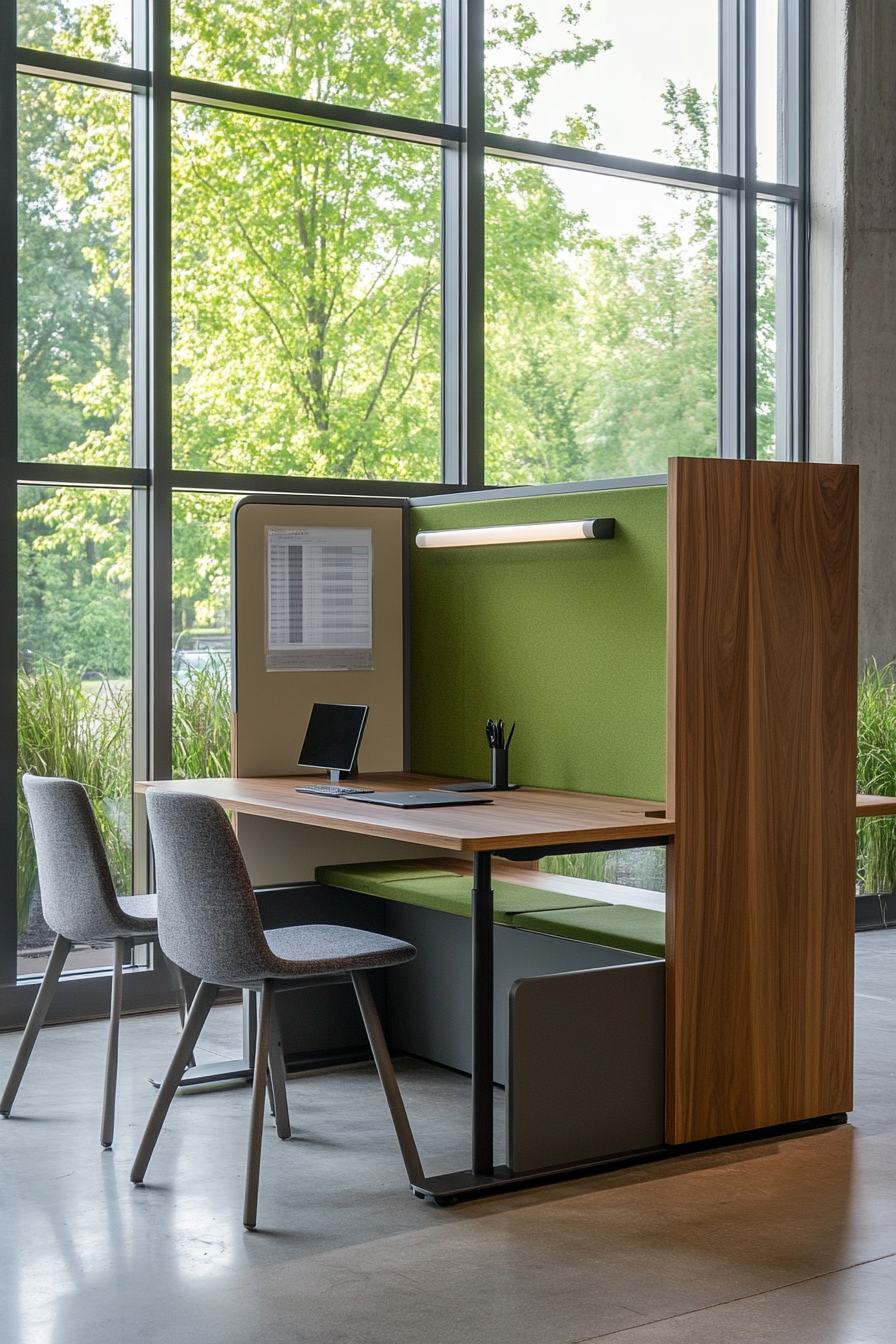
(781, 1241)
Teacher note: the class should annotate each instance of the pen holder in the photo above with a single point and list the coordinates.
(499, 767)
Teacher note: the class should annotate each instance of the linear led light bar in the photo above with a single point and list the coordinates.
(595, 529)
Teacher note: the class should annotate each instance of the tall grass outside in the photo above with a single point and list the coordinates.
(876, 773)
(82, 731)
(200, 746)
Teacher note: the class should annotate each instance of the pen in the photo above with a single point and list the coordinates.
(512, 730)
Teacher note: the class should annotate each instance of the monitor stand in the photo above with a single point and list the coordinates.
(337, 776)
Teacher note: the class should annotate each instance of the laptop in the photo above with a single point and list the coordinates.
(425, 798)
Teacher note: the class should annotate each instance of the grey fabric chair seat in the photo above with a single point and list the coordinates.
(80, 905)
(326, 949)
(210, 925)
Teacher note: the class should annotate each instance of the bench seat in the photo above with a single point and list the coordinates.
(415, 882)
(626, 926)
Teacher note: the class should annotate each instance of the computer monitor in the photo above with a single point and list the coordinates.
(333, 738)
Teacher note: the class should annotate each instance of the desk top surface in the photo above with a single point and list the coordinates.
(519, 819)
(875, 805)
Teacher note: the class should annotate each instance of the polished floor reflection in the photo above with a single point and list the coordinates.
(782, 1241)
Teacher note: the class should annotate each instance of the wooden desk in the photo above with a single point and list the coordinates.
(524, 819)
(875, 805)
(521, 820)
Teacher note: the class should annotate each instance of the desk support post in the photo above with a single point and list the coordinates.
(483, 1015)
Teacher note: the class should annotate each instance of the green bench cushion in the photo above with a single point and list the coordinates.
(416, 883)
(372, 877)
(625, 926)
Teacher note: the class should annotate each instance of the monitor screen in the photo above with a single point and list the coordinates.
(333, 736)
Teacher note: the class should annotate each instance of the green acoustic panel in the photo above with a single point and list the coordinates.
(437, 890)
(567, 638)
(625, 926)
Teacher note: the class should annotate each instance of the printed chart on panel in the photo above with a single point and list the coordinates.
(319, 599)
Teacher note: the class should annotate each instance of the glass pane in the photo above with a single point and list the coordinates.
(74, 657)
(768, 217)
(74, 273)
(200, 636)
(100, 32)
(600, 325)
(637, 79)
(643, 869)
(769, 166)
(363, 53)
(876, 773)
(306, 300)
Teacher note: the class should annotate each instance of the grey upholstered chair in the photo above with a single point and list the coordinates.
(80, 905)
(210, 925)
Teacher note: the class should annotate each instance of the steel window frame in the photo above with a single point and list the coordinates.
(464, 142)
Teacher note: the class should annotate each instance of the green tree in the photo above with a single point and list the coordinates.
(306, 300)
(75, 580)
(360, 53)
(74, 254)
(306, 284)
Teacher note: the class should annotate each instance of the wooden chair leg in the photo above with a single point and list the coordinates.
(373, 1026)
(277, 1075)
(199, 1011)
(61, 948)
(256, 1127)
(107, 1126)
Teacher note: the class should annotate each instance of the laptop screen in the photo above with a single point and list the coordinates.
(333, 736)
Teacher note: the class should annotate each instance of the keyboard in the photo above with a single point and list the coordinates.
(332, 790)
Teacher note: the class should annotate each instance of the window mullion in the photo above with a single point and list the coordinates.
(473, 213)
(160, 399)
(791, 262)
(729, 302)
(452, 250)
(140, 450)
(737, 229)
(8, 467)
(747, 438)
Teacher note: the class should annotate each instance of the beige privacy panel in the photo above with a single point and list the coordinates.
(297, 641)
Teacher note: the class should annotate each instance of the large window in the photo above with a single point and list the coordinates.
(351, 246)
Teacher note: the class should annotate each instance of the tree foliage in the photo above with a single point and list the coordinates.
(306, 290)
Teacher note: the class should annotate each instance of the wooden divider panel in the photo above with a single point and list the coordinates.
(762, 659)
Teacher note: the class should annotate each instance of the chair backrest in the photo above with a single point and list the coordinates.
(208, 916)
(76, 888)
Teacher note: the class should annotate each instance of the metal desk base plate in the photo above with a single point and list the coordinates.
(461, 1185)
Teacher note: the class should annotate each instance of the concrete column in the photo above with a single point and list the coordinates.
(852, 281)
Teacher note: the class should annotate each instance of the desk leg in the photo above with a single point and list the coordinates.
(483, 1016)
(227, 1070)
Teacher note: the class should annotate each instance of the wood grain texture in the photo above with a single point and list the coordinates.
(763, 575)
(513, 821)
